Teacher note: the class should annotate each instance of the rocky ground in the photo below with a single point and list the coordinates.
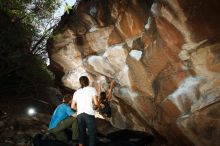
(19, 130)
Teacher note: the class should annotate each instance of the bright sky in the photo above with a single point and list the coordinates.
(60, 11)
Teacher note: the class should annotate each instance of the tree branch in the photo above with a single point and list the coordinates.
(34, 48)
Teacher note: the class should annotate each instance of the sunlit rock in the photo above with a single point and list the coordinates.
(149, 23)
(187, 94)
(136, 54)
(163, 55)
(202, 128)
(116, 56)
(71, 78)
(207, 68)
(192, 46)
(98, 38)
(100, 65)
(126, 94)
(184, 55)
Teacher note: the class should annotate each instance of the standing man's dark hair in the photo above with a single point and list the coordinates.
(84, 81)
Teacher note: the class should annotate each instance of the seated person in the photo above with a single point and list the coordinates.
(64, 118)
(105, 108)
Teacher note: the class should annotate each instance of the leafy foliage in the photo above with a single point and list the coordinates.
(67, 8)
(36, 17)
(25, 26)
(30, 78)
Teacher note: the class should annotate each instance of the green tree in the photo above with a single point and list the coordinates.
(25, 26)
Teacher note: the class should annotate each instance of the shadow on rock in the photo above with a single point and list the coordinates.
(119, 138)
(38, 140)
(125, 138)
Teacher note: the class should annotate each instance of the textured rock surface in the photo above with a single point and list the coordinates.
(163, 55)
(18, 130)
(23, 130)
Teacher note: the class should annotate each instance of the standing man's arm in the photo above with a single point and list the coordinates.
(73, 105)
(96, 102)
(70, 112)
(74, 115)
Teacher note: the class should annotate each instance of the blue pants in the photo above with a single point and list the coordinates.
(86, 121)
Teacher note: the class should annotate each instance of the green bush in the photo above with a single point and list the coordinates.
(23, 71)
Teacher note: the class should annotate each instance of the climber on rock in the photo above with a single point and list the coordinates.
(105, 108)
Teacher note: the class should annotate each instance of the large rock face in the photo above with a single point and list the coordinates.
(163, 55)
